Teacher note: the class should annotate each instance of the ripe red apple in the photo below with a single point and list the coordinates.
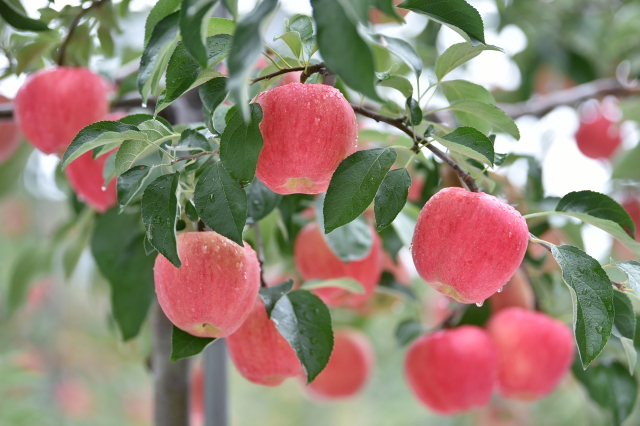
(517, 293)
(54, 104)
(213, 292)
(86, 178)
(598, 137)
(291, 77)
(535, 351)
(349, 367)
(396, 267)
(259, 351)
(315, 260)
(308, 129)
(9, 135)
(452, 371)
(468, 245)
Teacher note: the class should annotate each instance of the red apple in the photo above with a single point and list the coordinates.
(452, 371)
(291, 77)
(468, 245)
(259, 351)
(598, 137)
(535, 351)
(396, 267)
(213, 292)
(315, 260)
(517, 293)
(437, 308)
(349, 367)
(9, 135)
(196, 396)
(54, 104)
(308, 129)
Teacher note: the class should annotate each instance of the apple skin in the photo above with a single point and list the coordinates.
(259, 351)
(54, 104)
(348, 369)
(315, 260)
(598, 138)
(291, 77)
(9, 135)
(535, 352)
(452, 371)
(517, 293)
(214, 291)
(86, 179)
(468, 245)
(308, 129)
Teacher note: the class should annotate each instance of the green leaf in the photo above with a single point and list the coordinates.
(231, 6)
(81, 235)
(303, 25)
(18, 19)
(344, 283)
(631, 269)
(160, 10)
(241, 143)
(611, 387)
(475, 315)
(400, 83)
(407, 331)
(626, 167)
(415, 112)
(132, 150)
(624, 326)
(388, 284)
(490, 113)
(213, 93)
(391, 197)
(458, 15)
(402, 50)
(305, 322)
(245, 50)
(404, 225)
(159, 214)
(106, 40)
(129, 184)
(221, 202)
(156, 54)
(350, 242)
(354, 185)
(30, 53)
(184, 345)
(118, 248)
(99, 134)
(457, 55)
(184, 73)
(343, 50)
(11, 169)
(193, 27)
(192, 140)
(293, 40)
(462, 89)
(271, 295)
(592, 297)
(470, 142)
(261, 201)
(387, 7)
(220, 26)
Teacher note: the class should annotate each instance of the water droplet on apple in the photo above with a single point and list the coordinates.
(479, 304)
(104, 188)
(500, 290)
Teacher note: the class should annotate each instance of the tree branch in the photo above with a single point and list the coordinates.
(540, 105)
(260, 251)
(310, 70)
(398, 123)
(72, 28)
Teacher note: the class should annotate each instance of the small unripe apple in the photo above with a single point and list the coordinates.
(517, 293)
(452, 371)
(9, 135)
(213, 292)
(54, 104)
(87, 180)
(598, 138)
(259, 351)
(349, 367)
(315, 261)
(535, 352)
(468, 245)
(308, 129)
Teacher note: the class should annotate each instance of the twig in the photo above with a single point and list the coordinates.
(398, 123)
(191, 157)
(540, 105)
(310, 70)
(260, 250)
(72, 28)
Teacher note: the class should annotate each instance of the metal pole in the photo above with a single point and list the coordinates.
(216, 395)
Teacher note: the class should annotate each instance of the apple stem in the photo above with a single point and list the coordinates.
(398, 123)
(72, 28)
(260, 251)
(306, 72)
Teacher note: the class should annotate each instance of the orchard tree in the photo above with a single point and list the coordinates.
(280, 204)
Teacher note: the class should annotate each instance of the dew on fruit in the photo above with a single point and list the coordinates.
(500, 290)
(104, 188)
(479, 304)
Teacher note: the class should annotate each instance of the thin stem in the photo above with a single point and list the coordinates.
(306, 71)
(398, 124)
(276, 53)
(193, 156)
(410, 160)
(547, 245)
(539, 214)
(72, 27)
(431, 97)
(260, 251)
